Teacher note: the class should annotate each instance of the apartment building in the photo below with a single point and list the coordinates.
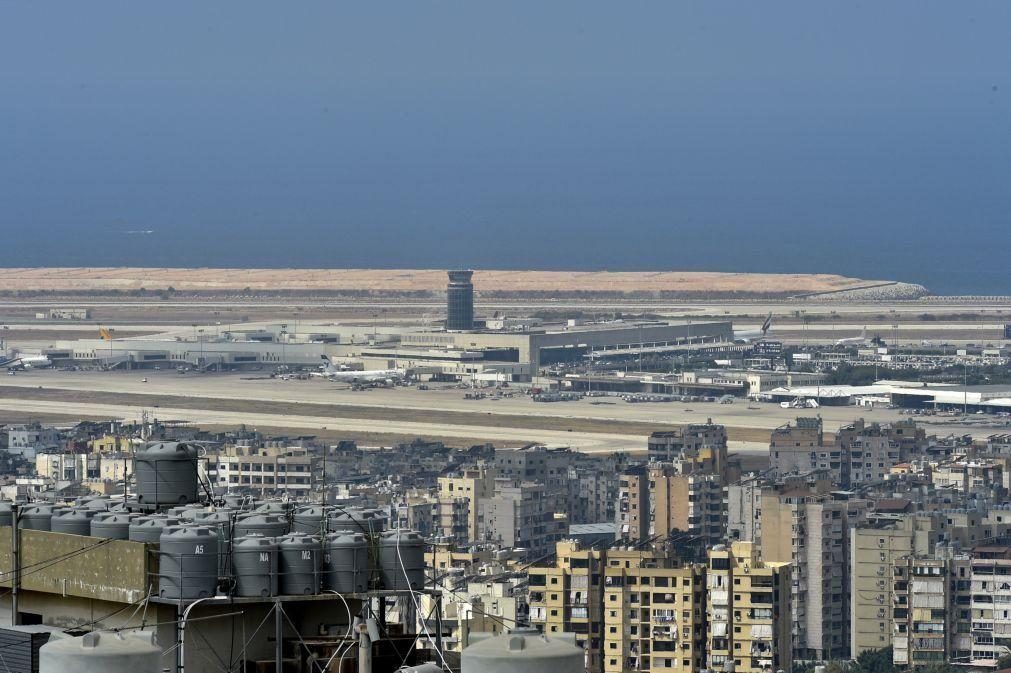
(265, 471)
(955, 609)
(873, 551)
(968, 476)
(633, 514)
(744, 510)
(924, 629)
(688, 503)
(660, 501)
(66, 466)
(539, 464)
(567, 598)
(452, 520)
(111, 444)
(799, 447)
(417, 511)
(861, 454)
(33, 438)
(747, 611)
(471, 485)
(650, 613)
(593, 493)
(870, 459)
(990, 610)
(869, 450)
(654, 616)
(810, 530)
(491, 606)
(689, 438)
(519, 516)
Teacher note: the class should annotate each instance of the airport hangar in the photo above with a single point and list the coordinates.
(905, 394)
(514, 355)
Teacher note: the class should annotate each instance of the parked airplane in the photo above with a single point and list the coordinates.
(759, 334)
(337, 373)
(27, 362)
(854, 341)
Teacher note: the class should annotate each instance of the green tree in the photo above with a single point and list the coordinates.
(874, 661)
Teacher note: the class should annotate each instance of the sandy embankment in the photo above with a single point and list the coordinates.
(403, 280)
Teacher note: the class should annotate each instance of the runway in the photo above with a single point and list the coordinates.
(593, 424)
(581, 441)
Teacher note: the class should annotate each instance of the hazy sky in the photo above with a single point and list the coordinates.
(865, 138)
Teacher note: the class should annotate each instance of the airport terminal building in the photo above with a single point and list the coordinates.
(575, 343)
(501, 354)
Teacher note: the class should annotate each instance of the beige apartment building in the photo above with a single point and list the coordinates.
(567, 597)
(810, 530)
(472, 484)
(265, 471)
(747, 611)
(654, 617)
(660, 500)
(649, 614)
(873, 551)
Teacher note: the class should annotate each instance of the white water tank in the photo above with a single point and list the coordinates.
(524, 650)
(102, 652)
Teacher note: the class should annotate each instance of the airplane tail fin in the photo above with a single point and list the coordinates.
(767, 324)
(325, 359)
(104, 334)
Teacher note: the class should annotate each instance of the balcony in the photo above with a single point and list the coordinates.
(665, 632)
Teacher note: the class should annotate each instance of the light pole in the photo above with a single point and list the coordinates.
(965, 388)
(283, 335)
(641, 347)
(689, 339)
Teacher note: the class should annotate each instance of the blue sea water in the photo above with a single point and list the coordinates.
(861, 139)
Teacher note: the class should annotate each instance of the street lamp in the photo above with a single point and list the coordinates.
(965, 388)
(283, 336)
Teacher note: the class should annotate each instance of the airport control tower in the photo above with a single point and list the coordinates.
(460, 301)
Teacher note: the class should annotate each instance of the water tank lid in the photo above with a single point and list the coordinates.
(254, 541)
(168, 451)
(183, 531)
(114, 518)
(261, 517)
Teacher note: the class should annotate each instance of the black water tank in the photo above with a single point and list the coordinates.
(167, 474)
